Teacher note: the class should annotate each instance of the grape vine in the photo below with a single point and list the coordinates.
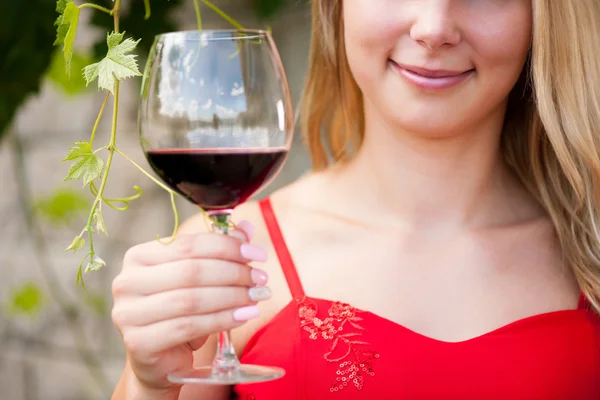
(86, 165)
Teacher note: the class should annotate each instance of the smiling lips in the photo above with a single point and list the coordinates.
(430, 79)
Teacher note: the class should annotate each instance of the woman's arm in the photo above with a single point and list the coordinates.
(128, 387)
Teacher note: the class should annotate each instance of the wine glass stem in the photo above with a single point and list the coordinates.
(226, 361)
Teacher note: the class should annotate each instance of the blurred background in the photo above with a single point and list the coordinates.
(57, 341)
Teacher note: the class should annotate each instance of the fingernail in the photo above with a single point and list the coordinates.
(246, 313)
(253, 253)
(247, 228)
(259, 277)
(259, 293)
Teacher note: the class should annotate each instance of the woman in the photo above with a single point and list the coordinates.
(456, 227)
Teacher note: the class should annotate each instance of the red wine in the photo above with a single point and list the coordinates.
(217, 179)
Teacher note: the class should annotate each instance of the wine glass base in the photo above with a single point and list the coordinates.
(246, 373)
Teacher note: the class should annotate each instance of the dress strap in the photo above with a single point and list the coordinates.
(285, 258)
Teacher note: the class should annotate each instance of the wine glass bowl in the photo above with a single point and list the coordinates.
(215, 106)
(216, 125)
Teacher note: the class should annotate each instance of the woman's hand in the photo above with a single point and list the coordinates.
(168, 299)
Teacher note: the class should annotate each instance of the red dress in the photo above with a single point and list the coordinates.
(331, 350)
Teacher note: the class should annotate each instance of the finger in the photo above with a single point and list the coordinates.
(247, 228)
(197, 344)
(179, 303)
(186, 274)
(205, 245)
(167, 334)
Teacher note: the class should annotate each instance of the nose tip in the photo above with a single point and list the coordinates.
(435, 28)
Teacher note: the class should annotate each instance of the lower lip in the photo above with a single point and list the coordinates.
(424, 82)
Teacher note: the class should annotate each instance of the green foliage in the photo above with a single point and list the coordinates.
(26, 39)
(95, 264)
(134, 22)
(117, 65)
(76, 245)
(26, 36)
(26, 300)
(87, 166)
(57, 74)
(62, 206)
(66, 29)
(98, 220)
(266, 9)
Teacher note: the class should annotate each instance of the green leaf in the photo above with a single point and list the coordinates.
(98, 220)
(61, 5)
(70, 85)
(95, 264)
(66, 29)
(61, 206)
(117, 64)
(79, 279)
(87, 166)
(76, 245)
(27, 300)
(61, 29)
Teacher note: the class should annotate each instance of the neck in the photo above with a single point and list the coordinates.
(454, 181)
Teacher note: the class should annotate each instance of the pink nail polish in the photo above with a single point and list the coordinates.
(253, 253)
(247, 228)
(246, 313)
(259, 277)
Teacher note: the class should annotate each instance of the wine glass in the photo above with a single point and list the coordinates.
(216, 124)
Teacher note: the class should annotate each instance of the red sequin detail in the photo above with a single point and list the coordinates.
(346, 349)
(250, 396)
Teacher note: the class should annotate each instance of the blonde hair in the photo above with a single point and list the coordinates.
(552, 129)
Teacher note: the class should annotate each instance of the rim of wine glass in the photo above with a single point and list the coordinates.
(210, 34)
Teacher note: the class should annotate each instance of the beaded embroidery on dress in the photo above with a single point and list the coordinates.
(341, 327)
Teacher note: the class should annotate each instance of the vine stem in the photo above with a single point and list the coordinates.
(96, 6)
(116, 11)
(111, 153)
(98, 119)
(111, 145)
(147, 8)
(222, 14)
(159, 183)
(171, 192)
(198, 14)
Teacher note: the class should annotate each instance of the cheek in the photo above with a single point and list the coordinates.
(370, 21)
(371, 32)
(501, 51)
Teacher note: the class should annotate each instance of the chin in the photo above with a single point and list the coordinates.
(428, 121)
(430, 128)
